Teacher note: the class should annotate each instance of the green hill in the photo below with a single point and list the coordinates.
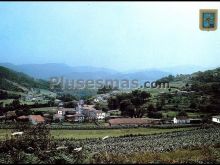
(203, 91)
(11, 80)
(207, 81)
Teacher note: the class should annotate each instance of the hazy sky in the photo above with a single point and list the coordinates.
(119, 35)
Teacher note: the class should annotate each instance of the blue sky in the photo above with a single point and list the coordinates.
(118, 35)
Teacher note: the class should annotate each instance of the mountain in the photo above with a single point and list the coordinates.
(20, 82)
(45, 71)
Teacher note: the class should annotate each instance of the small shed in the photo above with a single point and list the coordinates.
(181, 120)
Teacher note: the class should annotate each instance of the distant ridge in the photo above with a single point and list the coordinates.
(45, 71)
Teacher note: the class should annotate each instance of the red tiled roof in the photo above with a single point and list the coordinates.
(37, 118)
(22, 117)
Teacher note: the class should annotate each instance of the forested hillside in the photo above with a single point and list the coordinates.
(16, 81)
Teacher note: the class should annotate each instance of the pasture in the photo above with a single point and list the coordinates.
(83, 134)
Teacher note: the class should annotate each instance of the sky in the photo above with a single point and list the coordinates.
(118, 35)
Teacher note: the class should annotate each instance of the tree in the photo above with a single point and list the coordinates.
(113, 102)
(182, 113)
(101, 106)
(131, 102)
(70, 104)
(157, 115)
(16, 104)
(105, 89)
(151, 108)
(141, 111)
(127, 108)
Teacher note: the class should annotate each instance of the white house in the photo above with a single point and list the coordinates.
(100, 115)
(181, 120)
(60, 112)
(216, 119)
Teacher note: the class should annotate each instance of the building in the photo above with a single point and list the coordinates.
(91, 113)
(78, 117)
(216, 119)
(181, 120)
(23, 118)
(64, 111)
(74, 118)
(36, 119)
(58, 117)
(100, 115)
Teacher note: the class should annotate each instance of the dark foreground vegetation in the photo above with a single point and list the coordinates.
(36, 145)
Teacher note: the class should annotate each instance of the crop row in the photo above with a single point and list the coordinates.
(153, 143)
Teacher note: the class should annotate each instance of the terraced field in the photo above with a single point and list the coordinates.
(152, 143)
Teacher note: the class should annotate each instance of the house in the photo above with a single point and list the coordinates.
(58, 117)
(128, 121)
(36, 119)
(78, 117)
(64, 111)
(100, 115)
(181, 120)
(23, 118)
(216, 119)
(91, 113)
(75, 118)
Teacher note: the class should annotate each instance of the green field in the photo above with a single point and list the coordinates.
(82, 134)
(45, 109)
(174, 113)
(6, 101)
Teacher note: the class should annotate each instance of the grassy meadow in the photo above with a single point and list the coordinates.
(83, 134)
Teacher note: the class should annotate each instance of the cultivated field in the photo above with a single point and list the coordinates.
(83, 134)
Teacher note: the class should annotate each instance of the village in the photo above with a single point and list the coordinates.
(87, 113)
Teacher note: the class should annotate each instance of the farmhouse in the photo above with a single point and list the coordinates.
(64, 111)
(23, 118)
(128, 121)
(216, 119)
(100, 115)
(58, 117)
(35, 119)
(181, 120)
(78, 117)
(75, 118)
